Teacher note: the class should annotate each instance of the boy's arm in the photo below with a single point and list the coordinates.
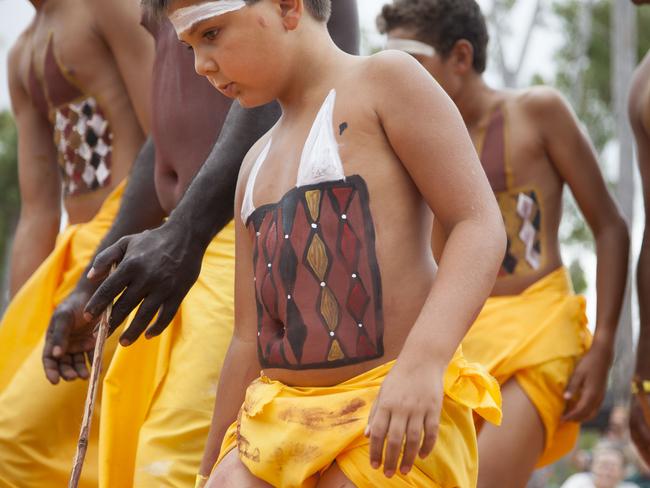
(39, 180)
(574, 158)
(139, 210)
(132, 48)
(639, 112)
(241, 365)
(204, 210)
(441, 160)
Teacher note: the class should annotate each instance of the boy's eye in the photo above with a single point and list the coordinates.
(211, 34)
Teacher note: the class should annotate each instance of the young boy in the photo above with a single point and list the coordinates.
(337, 295)
(532, 332)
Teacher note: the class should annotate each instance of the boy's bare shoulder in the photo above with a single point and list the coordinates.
(392, 67)
(540, 101)
(16, 61)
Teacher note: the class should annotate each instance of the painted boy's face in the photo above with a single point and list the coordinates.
(235, 45)
(641, 2)
(405, 39)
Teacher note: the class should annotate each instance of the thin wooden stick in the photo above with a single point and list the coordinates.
(93, 387)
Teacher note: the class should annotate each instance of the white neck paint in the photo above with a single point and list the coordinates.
(411, 46)
(185, 18)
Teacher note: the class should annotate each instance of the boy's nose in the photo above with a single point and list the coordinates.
(204, 65)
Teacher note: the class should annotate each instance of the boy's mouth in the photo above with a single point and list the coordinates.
(228, 89)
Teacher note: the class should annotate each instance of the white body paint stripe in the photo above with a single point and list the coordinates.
(184, 18)
(411, 46)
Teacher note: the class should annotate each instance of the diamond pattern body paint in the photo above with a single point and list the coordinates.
(82, 135)
(317, 283)
(520, 207)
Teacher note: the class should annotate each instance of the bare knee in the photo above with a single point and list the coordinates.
(231, 473)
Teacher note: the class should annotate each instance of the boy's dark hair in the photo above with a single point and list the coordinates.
(320, 9)
(440, 23)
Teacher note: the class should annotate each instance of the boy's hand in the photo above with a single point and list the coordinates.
(405, 417)
(586, 389)
(640, 424)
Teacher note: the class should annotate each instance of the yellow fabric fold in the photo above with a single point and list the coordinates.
(39, 423)
(159, 394)
(537, 338)
(287, 435)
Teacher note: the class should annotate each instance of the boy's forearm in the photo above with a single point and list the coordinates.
(466, 274)
(612, 250)
(139, 209)
(239, 369)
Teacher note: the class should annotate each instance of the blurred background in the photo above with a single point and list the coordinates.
(587, 49)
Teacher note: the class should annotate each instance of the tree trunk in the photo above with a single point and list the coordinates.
(623, 62)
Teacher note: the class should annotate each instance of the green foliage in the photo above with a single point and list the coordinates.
(593, 101)
(9, 194)
(578, 277)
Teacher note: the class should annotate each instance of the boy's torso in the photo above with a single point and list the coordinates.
(63, 63)
(400, 220)
(529, 189)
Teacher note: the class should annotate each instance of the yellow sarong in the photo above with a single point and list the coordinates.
(287, 435)
(159, 394)
(537, 338)
(39, 423)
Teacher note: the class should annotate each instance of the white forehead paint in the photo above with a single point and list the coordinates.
(410, 46)
(184, 18)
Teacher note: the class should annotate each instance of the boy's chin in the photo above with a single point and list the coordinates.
(247, 101)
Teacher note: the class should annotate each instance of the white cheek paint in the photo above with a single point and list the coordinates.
(411, 46)
(184, 18)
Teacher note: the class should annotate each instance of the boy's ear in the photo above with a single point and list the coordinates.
(462, 56)
(292, 11)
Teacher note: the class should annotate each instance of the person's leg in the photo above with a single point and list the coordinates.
(231, 473)
(173, 435)
(39, 428)
(515, 446)
(334, 478)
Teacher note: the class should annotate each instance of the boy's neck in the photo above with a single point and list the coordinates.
(313, 66)
(474, 100)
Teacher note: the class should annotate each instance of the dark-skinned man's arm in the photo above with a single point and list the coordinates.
(139, 210)
(158, 267)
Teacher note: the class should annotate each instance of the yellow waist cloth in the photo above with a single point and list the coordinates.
(536, 337)
(288, 435)
(159, 394)
(39, 423)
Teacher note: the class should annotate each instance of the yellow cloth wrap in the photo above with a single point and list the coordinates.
(537, 338)
(159, 394)
(40, 423)
(288, 435)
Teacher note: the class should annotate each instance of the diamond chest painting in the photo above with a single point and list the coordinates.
(317, 283)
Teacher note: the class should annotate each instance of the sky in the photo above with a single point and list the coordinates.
(16, 14)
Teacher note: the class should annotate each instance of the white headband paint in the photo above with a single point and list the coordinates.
(184, 18)
(410, 46)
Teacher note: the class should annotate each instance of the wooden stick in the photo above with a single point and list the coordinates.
(93, 387)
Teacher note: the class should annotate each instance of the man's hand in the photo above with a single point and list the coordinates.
(640, 424)
(405, 417)
(69, 340)
(586, 389)
(155, 270)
